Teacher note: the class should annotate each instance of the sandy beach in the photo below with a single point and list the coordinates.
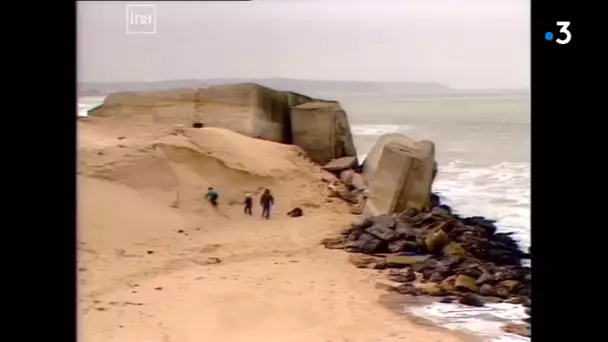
(156, 262)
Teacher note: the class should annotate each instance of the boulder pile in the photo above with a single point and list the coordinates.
(439, 253)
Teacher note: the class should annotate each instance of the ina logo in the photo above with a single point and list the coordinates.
(141, 19)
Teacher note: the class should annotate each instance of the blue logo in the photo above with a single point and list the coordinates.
(549, 36)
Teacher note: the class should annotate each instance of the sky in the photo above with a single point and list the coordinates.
(460, 43)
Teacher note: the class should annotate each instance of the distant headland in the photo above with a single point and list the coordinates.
(313, 87)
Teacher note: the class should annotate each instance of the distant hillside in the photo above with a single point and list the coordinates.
(300, 86)
(314, 88)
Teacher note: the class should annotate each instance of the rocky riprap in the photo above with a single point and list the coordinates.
(439, 253)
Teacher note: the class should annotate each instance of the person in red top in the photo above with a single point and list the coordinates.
(266, 201)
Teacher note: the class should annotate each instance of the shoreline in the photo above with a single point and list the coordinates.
(469, 326)
(464, 260)
(398, 304)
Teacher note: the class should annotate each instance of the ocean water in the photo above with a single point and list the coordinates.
(86, 103)
(483, 152)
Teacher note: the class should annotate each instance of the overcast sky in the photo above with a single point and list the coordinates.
(462, 43)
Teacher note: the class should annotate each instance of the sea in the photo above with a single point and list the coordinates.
(483, 151)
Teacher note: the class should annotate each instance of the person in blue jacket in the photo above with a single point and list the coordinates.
(212, 196)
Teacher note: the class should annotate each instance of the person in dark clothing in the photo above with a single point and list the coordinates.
(248, 204)
(212, 196)
(266, 200)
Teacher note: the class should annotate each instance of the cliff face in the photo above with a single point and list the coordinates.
(319, 127)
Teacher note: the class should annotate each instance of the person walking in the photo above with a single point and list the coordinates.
(212, 196)
(248, 204)
(266, 200)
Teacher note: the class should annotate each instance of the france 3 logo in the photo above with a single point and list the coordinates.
(563, 36)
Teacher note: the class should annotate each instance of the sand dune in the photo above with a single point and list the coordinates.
(149, 245)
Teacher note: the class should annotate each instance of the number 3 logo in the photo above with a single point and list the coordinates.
(564, 29)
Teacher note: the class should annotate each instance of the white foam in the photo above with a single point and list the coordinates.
(87, 103)
(500, 192)
(370, 130)
(485, 321)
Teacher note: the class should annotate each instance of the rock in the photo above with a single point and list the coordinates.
(197, 125)
(357, 182)
(402, 276)
(356, 210)
(338, 189)
(517, 329)
(387, 285)
(447, 300)
(408, 289)
(448, 284)
(455, 249)
(352, 228)
(342, 164)
(485, 278)
(471, 299)
(430, 288)
(381, 232)
(361, 261)
(506, 287)
(405, 231)
(517, 300)
(465, 283)
(333, 243)
(401, 246)
(382, 220)
(451, 261)
(486, 290)
(328, 179)
(402, 177)
(400, 261)
(437, 277)
(212, 261)
(379, 265)
(472, 270)
(436, 240)
(295, 212)
(346, 175)
(491, 299)
(471, 260)
(442, 211)
(428, 264)
(321, 129)
(369, 244)
(435, 199)
(487, 225)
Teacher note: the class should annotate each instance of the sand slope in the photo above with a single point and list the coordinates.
(274, 281)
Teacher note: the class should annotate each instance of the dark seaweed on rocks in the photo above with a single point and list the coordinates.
(453, 255)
